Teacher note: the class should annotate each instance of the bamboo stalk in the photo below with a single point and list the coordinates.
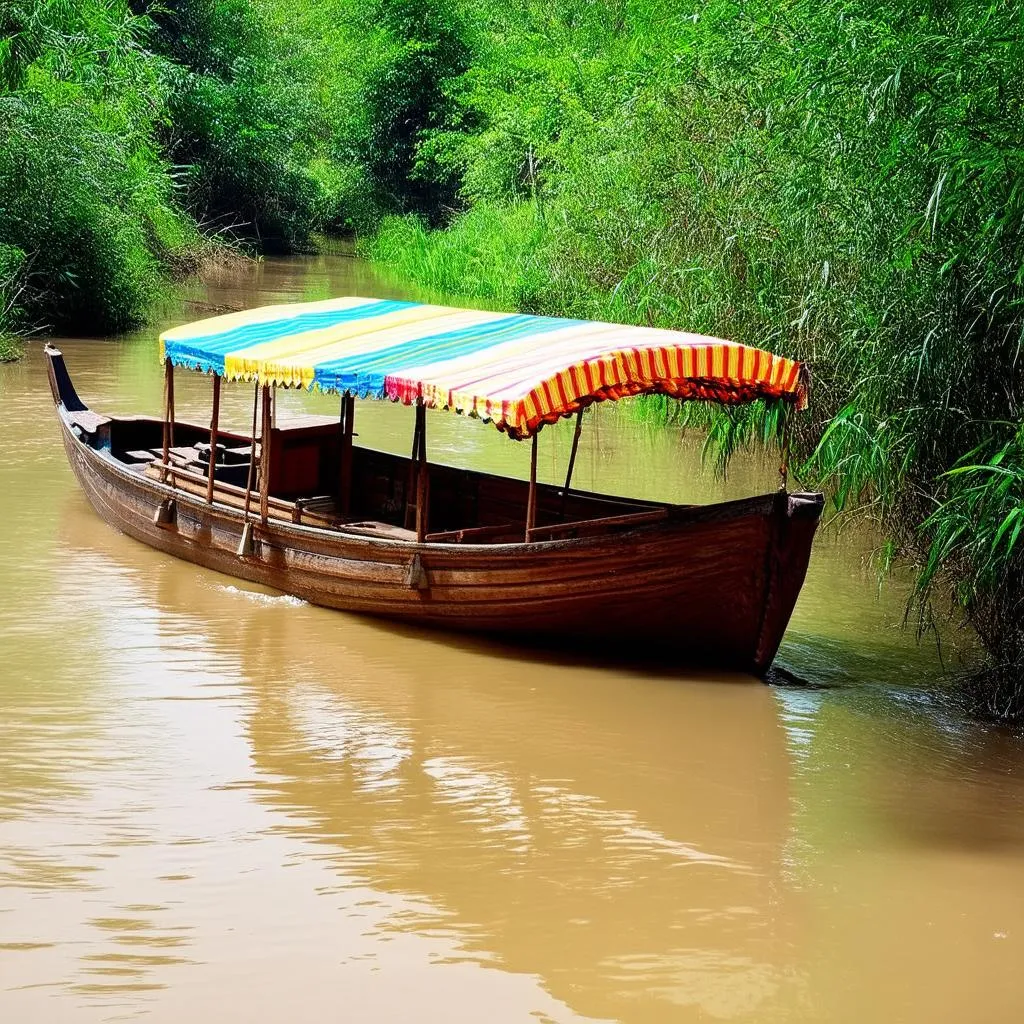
(214, 429)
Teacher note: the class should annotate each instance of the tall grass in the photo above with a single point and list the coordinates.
(837, 181)
(492, 254)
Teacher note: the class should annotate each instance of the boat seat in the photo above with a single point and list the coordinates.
(474, 534)
(88, 420)
(374, 529)
(322, 507)
(238, 455)
(183, 458)
(139, 455)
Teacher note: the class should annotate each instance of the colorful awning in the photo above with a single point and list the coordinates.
(518, 371)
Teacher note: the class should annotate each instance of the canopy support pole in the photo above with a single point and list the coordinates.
(245, 544)
(784, 451)
(422, 474)
(214, 431)
(348, 414)
(413, 482)
(168, 416)
(572, 459)
(531, 500)
(265, 432)
(410, 486)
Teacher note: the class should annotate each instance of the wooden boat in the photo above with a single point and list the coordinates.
(306, 511)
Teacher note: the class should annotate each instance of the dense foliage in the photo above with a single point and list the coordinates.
(839, 180)
(136, 139)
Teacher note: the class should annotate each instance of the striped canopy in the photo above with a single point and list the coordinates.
(518, 371)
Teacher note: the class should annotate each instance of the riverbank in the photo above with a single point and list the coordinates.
(10, 348)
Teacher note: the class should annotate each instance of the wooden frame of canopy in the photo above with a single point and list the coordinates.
(419, 483)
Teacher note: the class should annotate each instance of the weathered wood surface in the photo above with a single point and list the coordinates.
(710, 584)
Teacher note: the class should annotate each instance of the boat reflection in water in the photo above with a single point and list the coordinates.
(618, 839)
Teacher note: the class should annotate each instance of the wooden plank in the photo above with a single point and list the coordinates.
(214, 428)
(90, 422)
(226, 494)
(266, 453)
(596, 525)
(473, 533)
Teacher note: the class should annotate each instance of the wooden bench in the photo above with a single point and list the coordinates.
(587, 527)
(476, 533)
(87, 420)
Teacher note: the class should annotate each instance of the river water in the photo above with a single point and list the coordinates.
(218, 803)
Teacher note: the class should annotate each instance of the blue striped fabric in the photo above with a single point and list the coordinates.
(207, 352)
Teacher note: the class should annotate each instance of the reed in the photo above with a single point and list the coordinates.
(839, 182)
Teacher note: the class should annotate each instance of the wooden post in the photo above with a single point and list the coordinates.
(348, 415)
(422, 475)
(784, 451)
(572, 460)
(245, 544)
(413, 481)
(531, 501)
(214, 429)
(168, 416)
(265, 455)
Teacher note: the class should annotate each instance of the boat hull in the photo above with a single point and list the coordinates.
(716, 586)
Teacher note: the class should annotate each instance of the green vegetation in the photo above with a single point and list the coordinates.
(140, 140)
(838, 180)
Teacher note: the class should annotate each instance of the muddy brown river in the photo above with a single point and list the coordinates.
(220, 803)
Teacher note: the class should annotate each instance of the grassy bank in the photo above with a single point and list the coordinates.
(10, 349)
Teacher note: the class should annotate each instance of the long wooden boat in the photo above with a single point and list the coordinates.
(305, 510)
